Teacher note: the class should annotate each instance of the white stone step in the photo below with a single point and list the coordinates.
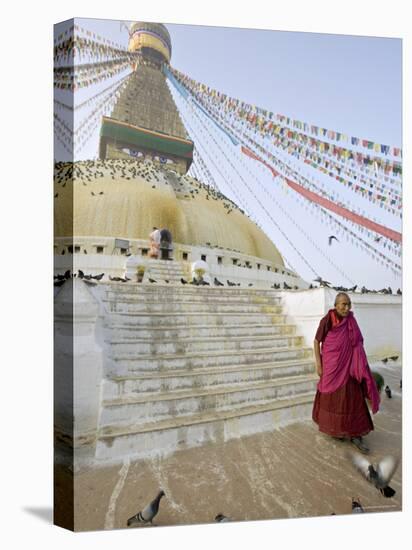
(191, 319)
(168, 405)
(119, 331)
(172, 296)
(118, 386)
(139, 346)
(130, 287)
(189, 307)
(166, 436)
(122, 365)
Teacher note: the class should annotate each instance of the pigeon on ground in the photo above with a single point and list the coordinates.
(380, 474)
(217, 282)
(330, 239)
(400, 383)
(357, 507)
(148, 513)
(388, 392)
(152, 280)
(394, 357)
(385, 360)
(98, 277)
(230, 283)
(67, 274)
(399, 292)
(60, 282)
(183, 281)
(166, 280)
(221, 518)
(286, 286)
(119, 279)
(81, 274)
(250, 284)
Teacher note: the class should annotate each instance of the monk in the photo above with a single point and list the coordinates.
(340, 409)
(154, 243)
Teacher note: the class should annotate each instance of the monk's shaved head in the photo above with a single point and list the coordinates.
(340, 296)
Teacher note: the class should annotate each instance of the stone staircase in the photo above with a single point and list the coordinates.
(186, 365)
(165, 270)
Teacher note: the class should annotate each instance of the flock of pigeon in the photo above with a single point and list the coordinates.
(379, 475)
(90, 171)
(363, 290)
(60, 279)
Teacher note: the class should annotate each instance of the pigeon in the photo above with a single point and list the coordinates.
(148, 513)
(81, 274)
(400, 383)
(60, 282)
(321, 281)
(377, 239)
(380, 474)
(388, 392)
(221, 518)
(330, 239)
(357, 507)
(98, 277)
(67, 274)
(385, 360)
(89, 282)
(250, 284)
(286, 286)
(217, 282)
(166, 280)
(152, 280)
(120, 279)
(183, 281)
(230, 284)
(399, 292)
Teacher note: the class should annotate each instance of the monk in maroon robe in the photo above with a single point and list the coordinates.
(345, 379)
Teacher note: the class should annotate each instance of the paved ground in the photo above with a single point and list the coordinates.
(291, 472)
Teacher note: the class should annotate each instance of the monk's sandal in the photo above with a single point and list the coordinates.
(359, 444)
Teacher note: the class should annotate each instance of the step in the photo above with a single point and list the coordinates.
(178, 297)
(167, 436)
(160, 346)
(158, 406)
(139, 288)
(191, 319)
(159, 306)
(119, 331)
(137, 384)
(121, 364)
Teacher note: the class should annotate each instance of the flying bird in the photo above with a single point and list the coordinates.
(380, 474)
(221, 518)
(321, 281)
(148, 513)
(330, 239)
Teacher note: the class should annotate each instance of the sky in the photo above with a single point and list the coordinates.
(350, 84)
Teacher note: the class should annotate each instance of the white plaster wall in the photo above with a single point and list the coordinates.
(379, 317)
